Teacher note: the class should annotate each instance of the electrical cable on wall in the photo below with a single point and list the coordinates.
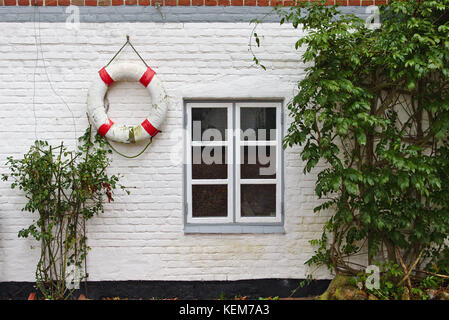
(38, 42)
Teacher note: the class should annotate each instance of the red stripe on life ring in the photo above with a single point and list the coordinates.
(104, 75)
(152, 131)
(147, 77)
(104, 128)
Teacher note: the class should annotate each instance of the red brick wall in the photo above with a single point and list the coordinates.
(180, 2)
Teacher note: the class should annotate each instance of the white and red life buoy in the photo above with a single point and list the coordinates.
(130, 72)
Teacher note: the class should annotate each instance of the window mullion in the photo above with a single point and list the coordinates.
(209, 181)
(234, 165)
(189, 164)
(262, 143)
(238, 202)
(210, 143)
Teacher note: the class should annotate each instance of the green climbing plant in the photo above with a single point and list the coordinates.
(64, 189)
(371, 116)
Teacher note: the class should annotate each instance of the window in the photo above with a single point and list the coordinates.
(233, 171)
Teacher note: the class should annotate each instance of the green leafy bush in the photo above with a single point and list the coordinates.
(65, 188)
(373, 108)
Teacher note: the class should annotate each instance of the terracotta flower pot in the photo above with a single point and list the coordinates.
(32, 296)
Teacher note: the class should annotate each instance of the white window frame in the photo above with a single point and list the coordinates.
(277, 181)
(233, 181)
(227, 143)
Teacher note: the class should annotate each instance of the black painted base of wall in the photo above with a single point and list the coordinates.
(253, 289)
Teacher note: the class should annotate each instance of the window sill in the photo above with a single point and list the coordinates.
(233, 228)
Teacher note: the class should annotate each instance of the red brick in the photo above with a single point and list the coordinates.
(261, 3)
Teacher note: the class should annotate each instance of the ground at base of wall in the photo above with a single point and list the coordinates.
(247, 289)
(341, 288)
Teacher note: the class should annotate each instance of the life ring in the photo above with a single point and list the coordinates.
(127, 133)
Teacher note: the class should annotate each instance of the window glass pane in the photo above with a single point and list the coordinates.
(258, 162)
(258, 200)
(258, 123)
(209, 124)
(210, 200)
(209, 163)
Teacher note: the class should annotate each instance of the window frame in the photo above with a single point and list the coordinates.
(190, 181)
(234, 222)
(237, 147)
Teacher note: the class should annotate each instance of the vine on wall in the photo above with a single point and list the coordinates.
(374, 108)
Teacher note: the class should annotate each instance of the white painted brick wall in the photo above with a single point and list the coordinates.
(140, 237)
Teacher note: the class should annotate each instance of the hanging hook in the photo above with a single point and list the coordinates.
(127, 42)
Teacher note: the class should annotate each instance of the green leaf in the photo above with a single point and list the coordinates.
(351, 187)
(361, 137)
(411, 84)
(403, 180)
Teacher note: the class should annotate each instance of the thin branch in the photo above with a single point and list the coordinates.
(411, 268)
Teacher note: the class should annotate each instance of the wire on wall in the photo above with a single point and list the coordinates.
(38, 42)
